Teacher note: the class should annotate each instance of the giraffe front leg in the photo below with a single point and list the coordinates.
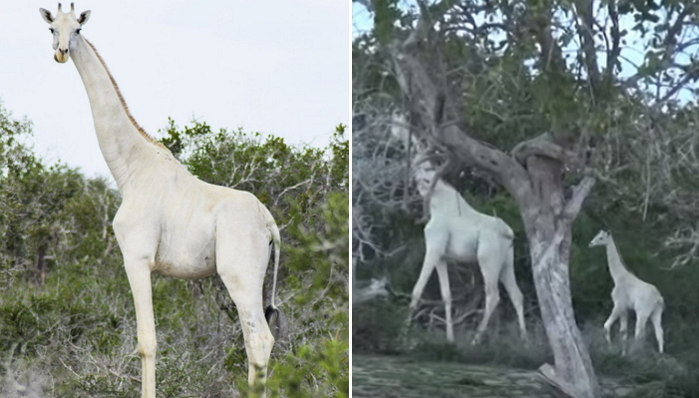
(436, 239)
(616, 312)
(432, 257)
(623, 331)
(139, 276)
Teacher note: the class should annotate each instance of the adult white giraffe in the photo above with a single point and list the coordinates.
(456, 231)
(170, 222)
(630, 293)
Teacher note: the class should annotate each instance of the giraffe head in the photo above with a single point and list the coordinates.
(424, 175)
(65, 28)
(600, 239)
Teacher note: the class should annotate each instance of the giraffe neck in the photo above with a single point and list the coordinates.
(616, 267)
(445, 200)
(125, 146)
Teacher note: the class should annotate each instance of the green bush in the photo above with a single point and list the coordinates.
(70, 331)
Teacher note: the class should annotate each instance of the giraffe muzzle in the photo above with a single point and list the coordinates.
(61, 55)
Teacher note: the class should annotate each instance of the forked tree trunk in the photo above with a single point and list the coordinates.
(549, 234)
(571, 356)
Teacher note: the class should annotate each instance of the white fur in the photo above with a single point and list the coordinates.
(456, 231)
(630, 293)
(169, 221)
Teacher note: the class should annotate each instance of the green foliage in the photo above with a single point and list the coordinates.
(50, 209)
(321, 304)
(277, 173)
(376, 326)
(75, 322)
(386, 12)
(306, 189)
(294, 373)
(618, 74)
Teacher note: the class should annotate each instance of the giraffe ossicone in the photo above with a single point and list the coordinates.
(169, 221)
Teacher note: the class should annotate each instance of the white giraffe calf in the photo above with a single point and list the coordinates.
(630, 293)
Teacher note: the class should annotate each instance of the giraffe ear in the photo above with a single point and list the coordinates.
(46, 14)
(84, 16)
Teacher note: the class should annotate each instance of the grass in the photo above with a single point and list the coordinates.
(75, 336)
(670, 375)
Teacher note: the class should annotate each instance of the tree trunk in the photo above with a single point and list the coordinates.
(549, 233)
(533, 175)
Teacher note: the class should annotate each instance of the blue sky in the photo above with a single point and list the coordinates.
(362, 20)
(632, 52)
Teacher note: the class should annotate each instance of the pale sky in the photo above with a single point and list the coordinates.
(632, 54)
(277, 67)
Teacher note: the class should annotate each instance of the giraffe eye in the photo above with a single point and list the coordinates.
(78, 31)
(51, 30)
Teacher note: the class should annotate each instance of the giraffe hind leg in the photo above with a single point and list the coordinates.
(443, 274)
(242, 269)
(492, 298)
(510, 283)
(656, 318)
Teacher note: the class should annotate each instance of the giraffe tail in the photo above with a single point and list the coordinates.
(275, 318)
(508, 232)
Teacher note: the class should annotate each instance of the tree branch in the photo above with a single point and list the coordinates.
(580, 192)
(613, 55)
(680, 85)
(670, 44)
(543, 145)
(417, 83)
(427, 19)
(586, 32)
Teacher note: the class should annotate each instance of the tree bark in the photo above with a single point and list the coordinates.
(548, 226)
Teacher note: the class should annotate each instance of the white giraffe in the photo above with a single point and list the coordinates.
(630, 293)
(169, 221)
(456, 231)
